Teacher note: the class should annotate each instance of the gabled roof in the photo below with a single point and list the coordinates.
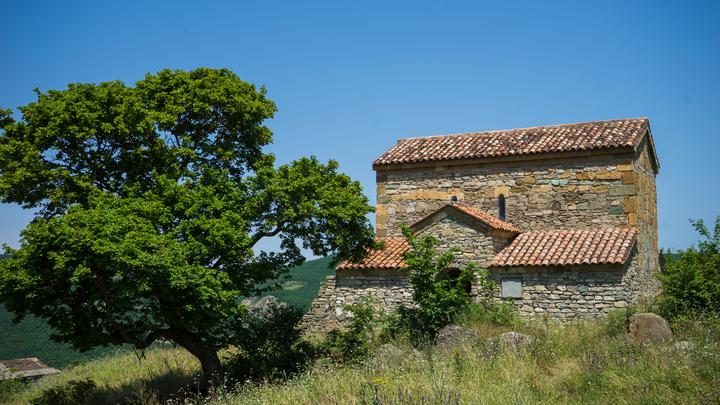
(568, 247)
(472, 213)
(391, 257)
(621, 133)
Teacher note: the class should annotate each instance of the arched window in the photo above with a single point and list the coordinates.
(501, 207)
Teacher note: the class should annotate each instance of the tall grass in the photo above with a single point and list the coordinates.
(163, 373)
(573, 363)
(581, 362)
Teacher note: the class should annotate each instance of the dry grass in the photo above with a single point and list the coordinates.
(125, 378)
(576, 363)
(573, 363)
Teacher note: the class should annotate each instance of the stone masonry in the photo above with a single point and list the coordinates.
(606, 186)
(582, 192)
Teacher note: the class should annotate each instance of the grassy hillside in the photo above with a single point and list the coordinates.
(30, 338)
(567, 364)
(304, 282)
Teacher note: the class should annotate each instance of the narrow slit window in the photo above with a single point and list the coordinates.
(501, 207)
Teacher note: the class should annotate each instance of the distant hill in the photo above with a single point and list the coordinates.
(304, 282)
(31, 337)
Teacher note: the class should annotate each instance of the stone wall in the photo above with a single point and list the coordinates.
(385, 291)
(591, 191)
(573, 193)
(642, 208)
(561, 292)
(578, 291)
(474, 241)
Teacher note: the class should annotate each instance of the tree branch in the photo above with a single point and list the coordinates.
(258, 236)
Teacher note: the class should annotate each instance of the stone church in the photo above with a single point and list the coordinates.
(564, 217)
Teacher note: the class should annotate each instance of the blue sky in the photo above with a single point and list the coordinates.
(350, 78)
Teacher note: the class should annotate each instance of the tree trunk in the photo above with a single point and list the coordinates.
(207, 354)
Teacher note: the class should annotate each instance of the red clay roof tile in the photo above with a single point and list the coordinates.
(486, 218)
(521, 141)
(391, 257)
(568, 247)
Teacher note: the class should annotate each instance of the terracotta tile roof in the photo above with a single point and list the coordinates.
(486, 218)
(521, 141)
(568, 247)
(389, 258)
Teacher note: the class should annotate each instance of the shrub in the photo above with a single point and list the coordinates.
(489, 309)
(70, 393)
(618, 320)
(355, 341)
(269, 344)
(498, 313)
(10, 387)
(691, 280)
(438, 302)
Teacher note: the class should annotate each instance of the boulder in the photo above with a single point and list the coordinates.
(516, 340)
(454, 335)
(649, 327)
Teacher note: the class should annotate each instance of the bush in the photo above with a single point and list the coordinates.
(10, 387)
(73, 392)
(269, 344)
(691, 280)
(354, 342)
(488, 309)
(618, 320)
(437, 302)
(498, 313)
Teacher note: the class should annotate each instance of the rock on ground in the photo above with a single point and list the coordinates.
(649, 327)
(454, 335)
(516, 340)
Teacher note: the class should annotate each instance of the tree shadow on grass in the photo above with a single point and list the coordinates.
(174, 386)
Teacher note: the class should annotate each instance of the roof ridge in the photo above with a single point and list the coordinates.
(595, 229)
(495, 131)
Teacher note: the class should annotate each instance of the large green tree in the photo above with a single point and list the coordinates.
(152, 203)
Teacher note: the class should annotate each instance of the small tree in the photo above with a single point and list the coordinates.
(691, 281)
(438, 301)
(152, 204)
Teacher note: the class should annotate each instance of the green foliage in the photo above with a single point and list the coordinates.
(71, 393)
(9, 388)
(355, 341)
(270, 346)
(691, 281)
(618, 320)
(498, 313)
(151, 203)
(438, 302)
(488, 309)
(31, 336)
